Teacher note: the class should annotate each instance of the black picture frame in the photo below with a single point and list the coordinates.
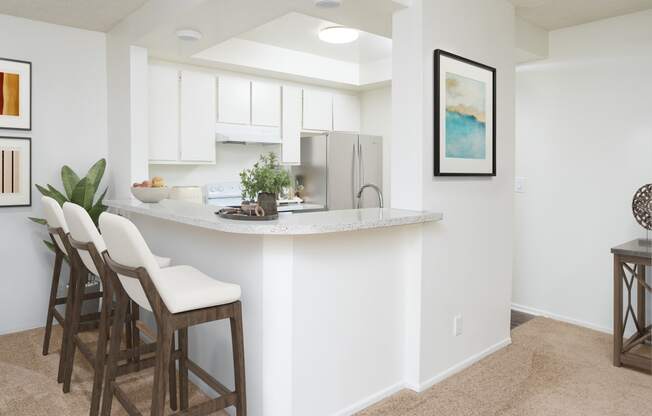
(28, 63)
(29, 193)
(437, 54)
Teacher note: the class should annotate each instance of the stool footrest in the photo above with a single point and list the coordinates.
(125, 402)
(207, 378)
(87, 296)
(209, 406)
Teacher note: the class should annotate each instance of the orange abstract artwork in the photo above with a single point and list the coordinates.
(9, 94)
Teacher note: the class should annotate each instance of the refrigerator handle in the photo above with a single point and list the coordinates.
(361, 156)
(354, 181)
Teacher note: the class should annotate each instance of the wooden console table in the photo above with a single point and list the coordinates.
(630, 260)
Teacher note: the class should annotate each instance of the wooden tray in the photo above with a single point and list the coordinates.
(238, 214)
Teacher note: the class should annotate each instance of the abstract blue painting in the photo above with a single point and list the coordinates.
(465, 117)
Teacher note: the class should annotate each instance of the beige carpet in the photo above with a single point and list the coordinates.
(551, 369)
(28, 380)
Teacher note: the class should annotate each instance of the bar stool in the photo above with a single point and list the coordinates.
(58, 230)
(179, 297)
(87, 244)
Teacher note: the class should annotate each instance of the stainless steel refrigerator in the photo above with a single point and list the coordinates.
(335, 166)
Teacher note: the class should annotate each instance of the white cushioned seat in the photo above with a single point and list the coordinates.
(182, 288)
(55, 219)
(162, 261)
(84, 230)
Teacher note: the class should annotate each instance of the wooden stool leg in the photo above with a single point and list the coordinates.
(114, 349)
(173, 378)
(129, 336)
(237, 340)
(135, 315)
(183, 367)
(161, 370)
(70, 300)
(100, 355)
(618, 310)
(58, 259)
(71, 345)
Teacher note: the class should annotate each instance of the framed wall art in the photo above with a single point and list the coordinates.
(15, 94)
(15, 171)
(465, 116)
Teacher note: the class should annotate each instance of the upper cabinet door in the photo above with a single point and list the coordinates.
(346, 113)
(234, 100)
(163, 113)
(317, 110)
(265, 104)
(197, 117)
(291, 127)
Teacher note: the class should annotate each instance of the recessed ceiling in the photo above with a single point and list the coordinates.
(557, 14)
(99, 15)
(299, 32)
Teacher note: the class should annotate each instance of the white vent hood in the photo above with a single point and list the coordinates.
(239, 133)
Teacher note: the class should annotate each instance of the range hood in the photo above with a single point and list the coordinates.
(240, 133)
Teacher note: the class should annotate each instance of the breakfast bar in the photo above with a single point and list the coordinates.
(326, 298)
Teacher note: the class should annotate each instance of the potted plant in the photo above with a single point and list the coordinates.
(264, 182)
(81, 191)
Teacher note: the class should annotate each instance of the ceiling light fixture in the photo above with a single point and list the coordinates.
(189, 34)
(328, 4)
(338, 34)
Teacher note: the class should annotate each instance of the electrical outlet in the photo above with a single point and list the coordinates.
(457, 325)
(519, 184)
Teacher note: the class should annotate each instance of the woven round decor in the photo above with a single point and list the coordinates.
(642, 206)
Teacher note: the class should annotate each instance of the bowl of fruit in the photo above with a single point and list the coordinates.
(150, 191)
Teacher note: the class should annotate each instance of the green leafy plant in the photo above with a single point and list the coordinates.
(80, 191)
(266, 175)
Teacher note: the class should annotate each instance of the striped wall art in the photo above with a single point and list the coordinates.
(15, 171)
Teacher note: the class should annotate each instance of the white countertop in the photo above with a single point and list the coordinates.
(204, 216)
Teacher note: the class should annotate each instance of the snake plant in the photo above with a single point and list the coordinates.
(80, 191)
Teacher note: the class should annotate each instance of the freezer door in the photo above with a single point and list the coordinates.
(370, 152)
(342, 158)
(312, 171)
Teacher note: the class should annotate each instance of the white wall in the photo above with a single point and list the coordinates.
(584, 143)
(69, 126)
(466, 258)
(376, 119)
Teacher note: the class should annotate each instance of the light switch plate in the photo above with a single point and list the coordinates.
(519, 184)
(457, 325)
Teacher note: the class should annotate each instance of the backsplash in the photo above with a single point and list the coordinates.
(231, 159)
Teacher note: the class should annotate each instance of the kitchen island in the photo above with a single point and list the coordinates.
(329, 299)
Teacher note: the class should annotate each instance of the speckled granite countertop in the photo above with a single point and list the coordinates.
(287, 224)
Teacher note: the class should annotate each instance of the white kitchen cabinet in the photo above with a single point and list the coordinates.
(234, 100)
(163, 113)
(346, 113)
(291, 126)
(265, 104)
(197, 117)
(317, 110)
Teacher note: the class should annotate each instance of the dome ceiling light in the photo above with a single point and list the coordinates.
(338, 34)
(189, 34)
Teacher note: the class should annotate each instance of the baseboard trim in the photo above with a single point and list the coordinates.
(464, 364)
(562, 318)
(370, 400)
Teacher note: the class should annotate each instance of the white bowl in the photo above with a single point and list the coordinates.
(150, 195)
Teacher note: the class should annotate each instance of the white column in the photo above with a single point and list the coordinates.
(278, 262)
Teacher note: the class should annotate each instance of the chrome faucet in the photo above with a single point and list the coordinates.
(376, 188)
